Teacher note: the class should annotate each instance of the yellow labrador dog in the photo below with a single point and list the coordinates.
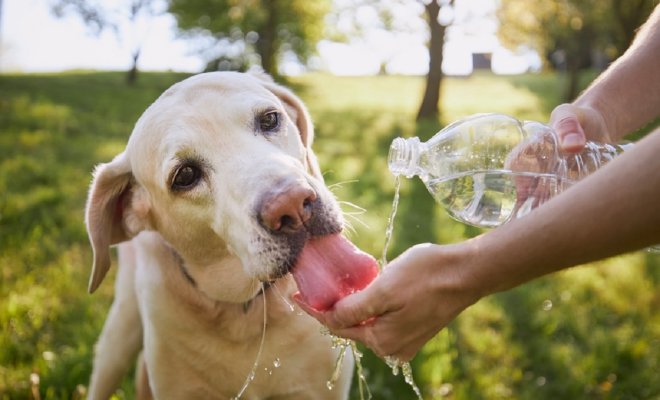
(216, 198)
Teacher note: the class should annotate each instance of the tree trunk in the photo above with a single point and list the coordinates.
(573, 72)
(430, 108)
(578, 57)
(131, 76)
(267, 43)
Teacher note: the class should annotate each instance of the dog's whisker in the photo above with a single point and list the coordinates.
(359, 209)
(354, 217)
(341, 184)
(349, 227)
(352, 214)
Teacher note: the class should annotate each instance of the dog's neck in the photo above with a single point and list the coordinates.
(182, 266)
(188, 277)
(191, 280)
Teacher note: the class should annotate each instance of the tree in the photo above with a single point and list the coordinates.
(97, 17)
(401, 17)
(372, 22)
(267, 28)
(569, 33)
(430, 108)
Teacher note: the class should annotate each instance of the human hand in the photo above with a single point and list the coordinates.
(575, 125)
(414, 297)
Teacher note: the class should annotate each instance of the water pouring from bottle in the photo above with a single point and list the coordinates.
(488, 169)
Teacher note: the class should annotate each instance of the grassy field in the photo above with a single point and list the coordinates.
(591, 332)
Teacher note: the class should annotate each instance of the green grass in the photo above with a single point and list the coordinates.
(592, 332)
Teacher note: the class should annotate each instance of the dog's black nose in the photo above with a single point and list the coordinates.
(287, 208)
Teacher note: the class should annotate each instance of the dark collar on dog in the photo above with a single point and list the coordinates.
(264, 287)
(182, 267)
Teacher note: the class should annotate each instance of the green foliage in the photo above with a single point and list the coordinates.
(592, 332)
(279, 25)
(55, 128)
(607, 26)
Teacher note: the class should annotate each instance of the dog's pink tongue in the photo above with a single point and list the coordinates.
(330, 268)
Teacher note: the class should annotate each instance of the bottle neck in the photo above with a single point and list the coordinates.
(403, 158)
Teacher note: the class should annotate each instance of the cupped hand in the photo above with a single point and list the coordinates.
(414, 297)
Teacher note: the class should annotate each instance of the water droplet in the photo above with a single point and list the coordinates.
(446, 389)
(547, 305)
(393, 363)
(330, 385)
(277, 363)
(81, 390)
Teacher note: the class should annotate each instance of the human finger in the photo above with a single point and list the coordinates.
(565, 121)
(357, 308)
(298, 299)
(382, 340)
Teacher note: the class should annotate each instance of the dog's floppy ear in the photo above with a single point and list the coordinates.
(297, 111)
(105, 216)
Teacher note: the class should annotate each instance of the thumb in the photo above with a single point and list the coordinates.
(356, 308)
(566, 123)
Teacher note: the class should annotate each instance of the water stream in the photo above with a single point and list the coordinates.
(392, 362)
(343, 344)
(253, 371)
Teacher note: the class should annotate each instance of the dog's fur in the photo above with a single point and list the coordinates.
(192, 259)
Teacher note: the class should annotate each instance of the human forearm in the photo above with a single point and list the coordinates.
(613, 211)
(610, 212)
(627, 95)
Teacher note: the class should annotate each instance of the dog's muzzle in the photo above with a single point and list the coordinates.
(290, 214)
(286, 208)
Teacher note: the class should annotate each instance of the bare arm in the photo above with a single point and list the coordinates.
(613, 211)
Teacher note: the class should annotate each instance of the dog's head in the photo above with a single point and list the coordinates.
(221, 166)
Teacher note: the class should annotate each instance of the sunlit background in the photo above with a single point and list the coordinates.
(75, 75)
(33, 39)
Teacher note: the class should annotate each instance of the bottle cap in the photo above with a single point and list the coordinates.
(402, 158)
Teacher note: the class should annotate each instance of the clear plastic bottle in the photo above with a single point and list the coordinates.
(490, 168)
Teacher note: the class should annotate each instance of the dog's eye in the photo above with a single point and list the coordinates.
(269, 121)
(186, 177)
